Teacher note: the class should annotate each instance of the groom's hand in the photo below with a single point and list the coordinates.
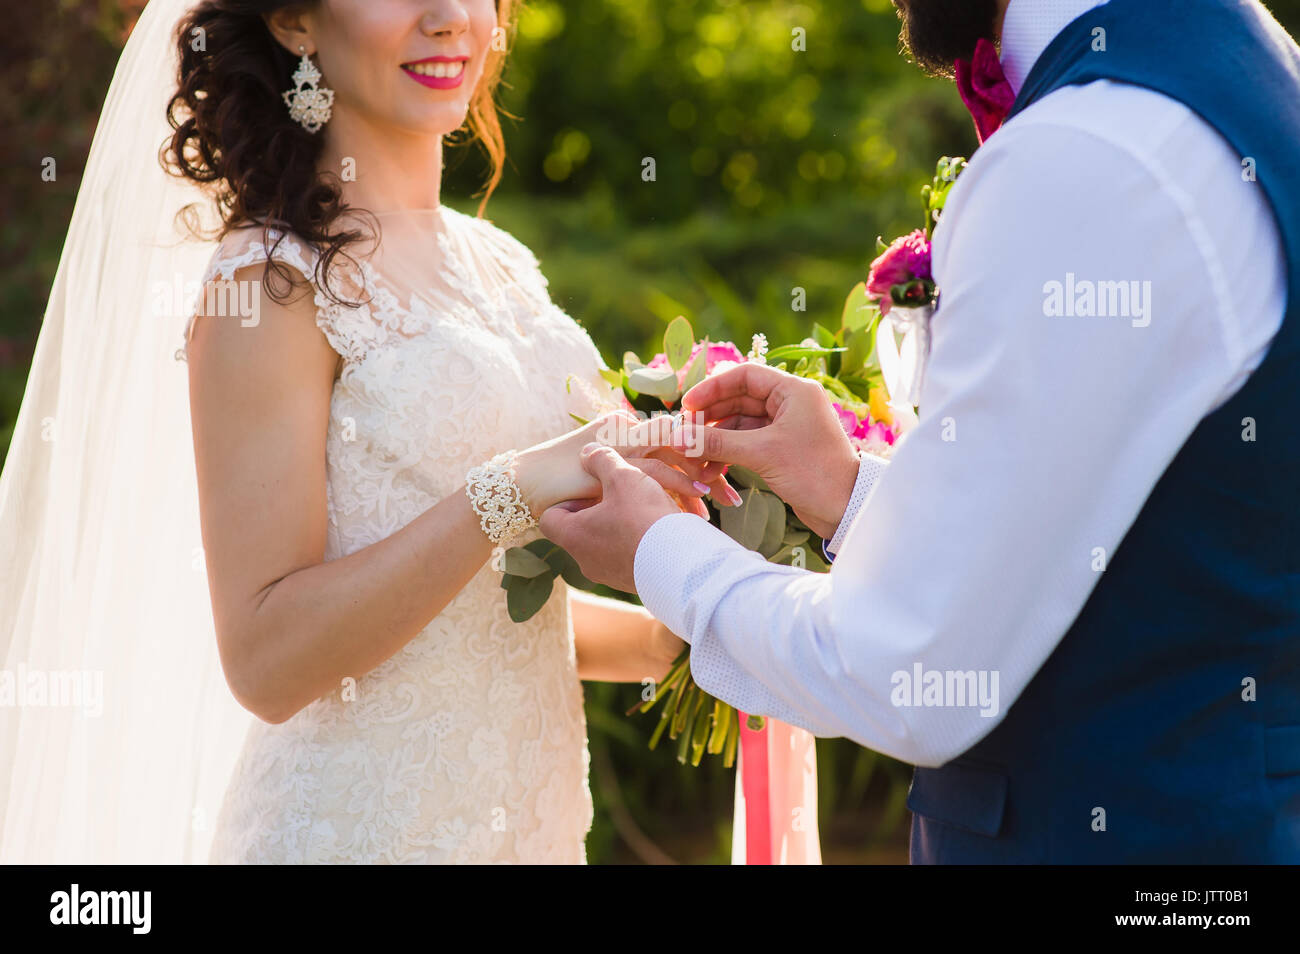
(783, 428)
(603, 536)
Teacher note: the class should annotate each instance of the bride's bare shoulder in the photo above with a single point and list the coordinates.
(257, 303)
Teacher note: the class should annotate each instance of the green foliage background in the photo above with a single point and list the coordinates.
(774, 170)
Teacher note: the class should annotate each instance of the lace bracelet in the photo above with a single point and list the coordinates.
(496, 499)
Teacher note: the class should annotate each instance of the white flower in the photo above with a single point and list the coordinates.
(758, 349)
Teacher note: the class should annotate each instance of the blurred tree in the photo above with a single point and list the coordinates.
(55, 63)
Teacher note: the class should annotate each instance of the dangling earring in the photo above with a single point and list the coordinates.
(309, 106)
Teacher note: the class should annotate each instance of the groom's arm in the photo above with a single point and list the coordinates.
(1040, 441)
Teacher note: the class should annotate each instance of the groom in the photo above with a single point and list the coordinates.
(1096, 519)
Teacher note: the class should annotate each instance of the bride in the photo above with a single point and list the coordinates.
(385, 410)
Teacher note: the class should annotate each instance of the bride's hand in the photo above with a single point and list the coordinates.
(552, 472)
(652, 438)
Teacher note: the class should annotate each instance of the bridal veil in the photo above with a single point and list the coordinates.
(117, 730)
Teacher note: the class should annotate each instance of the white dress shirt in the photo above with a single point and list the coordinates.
(977, 553)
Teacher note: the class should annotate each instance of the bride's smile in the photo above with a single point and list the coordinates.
(438, 72)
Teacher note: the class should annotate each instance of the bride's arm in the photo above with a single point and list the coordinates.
(619, 642)
(290, 627)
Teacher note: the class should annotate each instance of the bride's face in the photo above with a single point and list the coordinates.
(410, 64)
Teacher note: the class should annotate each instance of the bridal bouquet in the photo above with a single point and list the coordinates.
(863, 376)
(843, 362)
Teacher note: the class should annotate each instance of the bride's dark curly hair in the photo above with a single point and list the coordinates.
(234, 136)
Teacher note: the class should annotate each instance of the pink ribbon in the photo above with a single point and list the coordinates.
(756, 785)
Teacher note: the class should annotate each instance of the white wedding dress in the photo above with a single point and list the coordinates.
(468, 745)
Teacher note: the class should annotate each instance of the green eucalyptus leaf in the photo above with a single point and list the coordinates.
(746, 524)
(657, 382)
(785, 555)
(794, 523)
(746, 477)
(563, 563)
(774, 529)
(794, 535)
(560, 561)
(520, 562)
(679, 340)
(631, 362)
(812, 558)
(823, 336)
(613, 377)
(525, 597)
(696, 372)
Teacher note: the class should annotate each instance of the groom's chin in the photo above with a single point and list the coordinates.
(937, 33)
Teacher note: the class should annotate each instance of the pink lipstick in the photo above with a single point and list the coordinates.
(437, 72)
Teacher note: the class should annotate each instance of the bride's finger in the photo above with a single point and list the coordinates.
(700, 474)
(648, 435)
(690, 505)
(610, 427)
(695, 468)
(725, 494)
(670, 478)
(693, 505)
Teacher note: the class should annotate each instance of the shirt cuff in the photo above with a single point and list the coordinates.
(870, 468)
(668, 554)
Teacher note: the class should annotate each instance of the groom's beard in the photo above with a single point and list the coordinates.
(939, 32)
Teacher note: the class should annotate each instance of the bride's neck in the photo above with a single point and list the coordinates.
(383, 171)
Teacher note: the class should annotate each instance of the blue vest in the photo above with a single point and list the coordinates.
(1139, 712)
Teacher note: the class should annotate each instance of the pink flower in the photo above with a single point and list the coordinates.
(906, 260)
(877, 432)
(878, 439)
(864, 432)
(848, 420)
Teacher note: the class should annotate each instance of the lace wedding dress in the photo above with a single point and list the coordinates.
(468, 745)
